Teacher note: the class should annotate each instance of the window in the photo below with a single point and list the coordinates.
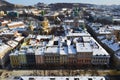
(52, 78)
(89, 78)
(31, 79)
(76, 78)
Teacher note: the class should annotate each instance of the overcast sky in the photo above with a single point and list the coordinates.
(32, 2)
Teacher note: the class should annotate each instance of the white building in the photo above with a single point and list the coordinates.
(62, 78)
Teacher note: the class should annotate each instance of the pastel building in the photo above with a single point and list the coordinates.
(63, 55)
(39, 55)
(16, 24)
(4, 54)
(71, 55)
(100, 55)
(14, 60)
(84, 53)
(30, 56)
(51, 55)
(22, 58)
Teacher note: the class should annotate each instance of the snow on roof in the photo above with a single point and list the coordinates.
(63, 77)
(52, 49)
(86, 39)
(101, 37)
(39, 51)
(15, 23)
(63, 51)
(111, 44)
(71, 49)
(116, 27)
(70, 21)
(68, 42)
(116, 19)
(14, 53)
(50, 43)
(22, 52)
(5, 22)
(83, 47)
(100, 52)
(31, 49)
(77, 34)
(31, 36)
(7, 32)
(12, 43)
(3, 50)
(19, 38)
(97, 48)
(44, 37)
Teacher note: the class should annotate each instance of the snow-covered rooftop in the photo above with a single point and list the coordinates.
(19, 38)
(83, 47)
(12, 43)
(111, 44)
(71, 21)
(52, 49)
(39, 51)
(77, 34)
(71, 49)
(63, 51)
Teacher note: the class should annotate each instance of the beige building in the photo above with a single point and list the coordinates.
(51, 55)
(4, 54)
(15, 24)
(84, 53)
(72, 55)
(14, 60)
(63, 56)
(39, 55)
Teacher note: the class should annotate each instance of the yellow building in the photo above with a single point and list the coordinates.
(14, 61)
(45, 25)
(2, 13)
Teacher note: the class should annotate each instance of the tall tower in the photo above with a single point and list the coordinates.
(76, 15)
(45, 25)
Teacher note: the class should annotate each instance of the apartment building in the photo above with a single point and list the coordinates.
(14, 60)
(4, 54)
(51, 55)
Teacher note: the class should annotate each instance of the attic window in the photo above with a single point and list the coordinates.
(89, 78)
(55, 42)
(31, 78)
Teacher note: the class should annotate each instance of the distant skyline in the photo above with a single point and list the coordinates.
(32, 2)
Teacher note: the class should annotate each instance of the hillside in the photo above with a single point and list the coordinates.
(4, 5)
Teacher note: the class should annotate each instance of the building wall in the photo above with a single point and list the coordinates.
(14, 61)
(39, 59)
(117, 34)
(22, 59)
(100, 60)
(72, 59)
(84, 58)
(52, 59)
(30, 57)
(63, 59)
(116, 61)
